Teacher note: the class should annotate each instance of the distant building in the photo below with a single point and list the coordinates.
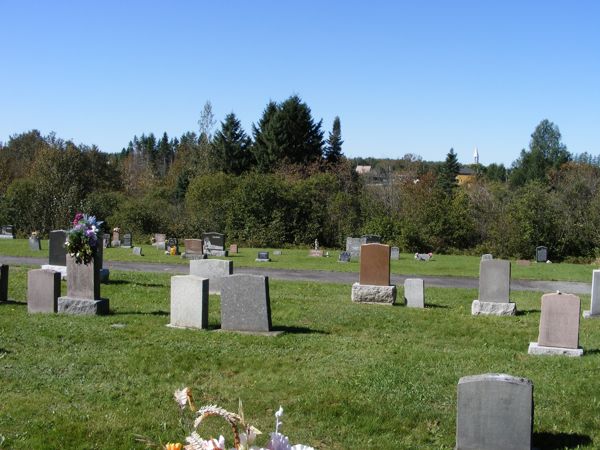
(363, 169)
(476, 156)
(466, 175)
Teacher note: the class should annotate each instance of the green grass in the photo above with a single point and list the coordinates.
(441, 265)
(349, 376)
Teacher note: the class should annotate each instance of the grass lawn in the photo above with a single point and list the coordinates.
(441, 265)
(349, 376)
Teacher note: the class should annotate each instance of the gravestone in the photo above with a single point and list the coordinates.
(127, 241)
(83, 288)
(595, 297)
(263, 257)
(35, 244)
(423, 256)
(160, 241)
(213, 269)
(370, 239)
(245, 304)
(374, 278)
(214, 244)
(315, 253)
(57, 250)
(277, 252)
(414, 296)
(494, 412)
(116, 240)
(233, 248)
(43, 291)
(541, 254)
(189, 302)
(7, 232)
(137, 251)
(486, 257)
(559, 326)
(194, 248)
(106, 240)
(353, 246)
(523, 262)
(345, 257)
(494, 289)
(3, 283)
(173, 246)
(395, 253)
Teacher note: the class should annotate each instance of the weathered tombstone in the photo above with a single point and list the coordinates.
(559, 326)
(494, 289)
(116, 239)
(57, 250)
(370, 239)
(106, 240)
(194, 249)
(414, 296)
(245, 304)
(189, 302)
(374, 279)
(213, 269)
(233, 248)
(263, 257)
(160, 241)
(345, 257)
(277, 252)
(43, 291)
(7, 232)
(127, 241)
(173, 246)
(3, 283)
(395, 253)
(486, 257)
(423, 256)
(315, 253)
(541, 254)
(494, 412)
(137, 251)
(214, 244)
(595, 300)
(83, 288)
(353, 246)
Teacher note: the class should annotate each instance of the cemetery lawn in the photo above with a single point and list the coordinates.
(441, 265)
(349, 376)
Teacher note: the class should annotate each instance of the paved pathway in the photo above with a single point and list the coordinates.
(331, 277)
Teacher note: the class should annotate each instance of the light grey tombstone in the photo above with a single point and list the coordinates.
(213, 269)
(494, 412)
(245, 304)
(559, 326)
(414, 296)
(395, 253)
(35, 244)
(189, 302)
(277, 252)
(137, 251)
(595, 301)
(423, 256)
(3, 283)
(486, 257)
(494, 289)
(353, 246)
(43, 290)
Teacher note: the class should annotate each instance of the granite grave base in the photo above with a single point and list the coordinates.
(83, 306)
(368, 293)
(535, 349)
(589, 315)
(479, 308)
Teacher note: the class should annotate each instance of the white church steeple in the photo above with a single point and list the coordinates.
(476, 156)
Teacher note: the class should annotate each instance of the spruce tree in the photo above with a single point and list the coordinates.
(264, 154)
(448, 172)
(333, 148)
(231, 147)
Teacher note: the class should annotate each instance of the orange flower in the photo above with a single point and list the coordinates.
(173, 446)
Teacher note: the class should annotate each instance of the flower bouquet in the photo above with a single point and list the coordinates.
(82, 239)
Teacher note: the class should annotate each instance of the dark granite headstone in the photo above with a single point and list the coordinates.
(263, 257)
(495, 412)
(127, 240)
(57, 250)
(173, 246)
(7, 232)
(3, 283)
(541, 254)
(345, 257)
(245, 303)
(370, 239)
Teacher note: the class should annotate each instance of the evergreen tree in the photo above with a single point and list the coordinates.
(448, 172)
(333, 149)
(231, 147)
(260, 149)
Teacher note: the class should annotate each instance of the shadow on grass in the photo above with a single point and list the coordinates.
(551, 441)
(138, 313)
(13, 302)
(121, 282)
(524, 312)
(593, 351)
(298, 330)
(433, 305)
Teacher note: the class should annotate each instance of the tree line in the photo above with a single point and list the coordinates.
(288, 182)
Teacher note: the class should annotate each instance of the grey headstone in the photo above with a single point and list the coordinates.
(127, 240)
(559, 321)
(43, 290)
(414, 293)
(353, 246)
(213, 269)
(370, 239)
(345, 257)
(277, 252)
(57, 251)
(494, 412)
(494, 281)
(541, 254)
(3, 283)
(245, 303)
(137, 251)
(423, 256)
(106, 240)
(35, 244)
(595, 297)
(395, 253)
(189, 301)
(486, 257)
(263, 257)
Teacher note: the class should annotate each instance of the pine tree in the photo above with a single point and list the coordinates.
(231, 147)
(263, 153)
(448, 172)
(333, 148)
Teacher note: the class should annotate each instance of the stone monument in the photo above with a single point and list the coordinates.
(43, 291)
(189, 302)
(594, 311)
(494, 289)
(414, 296)
(374, 278)
(213, 269)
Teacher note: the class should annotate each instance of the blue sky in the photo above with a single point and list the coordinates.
(404, 77)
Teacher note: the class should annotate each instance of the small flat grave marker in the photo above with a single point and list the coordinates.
(345, 257)
(263, 257)
(137, 251)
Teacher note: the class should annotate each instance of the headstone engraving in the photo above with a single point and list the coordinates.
(214, 244)
(494, 412)
(559, 326)
(213, 269)
(3, 283)
(414, 296)
(43, 291)
(189, 301)
(541, 254)
(395, 253)
(595, 297)
(127, 241)
(374, 278)
(263, 257)
(245, 304)
(494, 289)
(345, 257)
(194, 248)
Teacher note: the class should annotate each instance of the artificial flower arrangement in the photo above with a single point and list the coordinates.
(241, 440)
(82, 239)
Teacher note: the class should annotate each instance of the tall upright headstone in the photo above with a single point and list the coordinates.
(189, 301)
(194, 249)
(43, 291)
(213, 269)
(127, 241)
(414, 296)
(3, 283)
(214, 244)
(494, 289)
(594, 310)
(353, 246)
(559, 326)
(494, 412)
(541, 254)
(160, 241)
(374, 279)
(57, 251)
